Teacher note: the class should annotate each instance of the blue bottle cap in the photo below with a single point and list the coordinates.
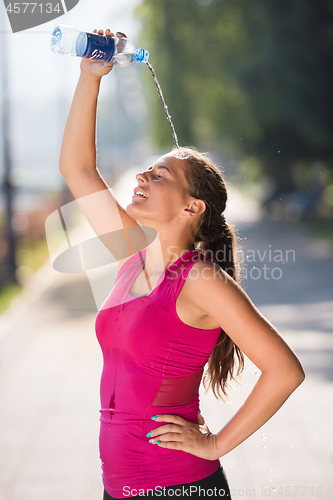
(141, 55)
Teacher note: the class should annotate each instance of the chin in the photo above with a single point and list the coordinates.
(143, 218)
(134, 212)
(131, 209)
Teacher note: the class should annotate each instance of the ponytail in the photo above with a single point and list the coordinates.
(216, 239)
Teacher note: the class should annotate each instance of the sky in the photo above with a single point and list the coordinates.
(41, 85)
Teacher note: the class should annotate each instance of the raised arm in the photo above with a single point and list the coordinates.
(77, 161)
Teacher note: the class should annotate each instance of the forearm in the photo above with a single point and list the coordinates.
(267, 396)
(78, 149)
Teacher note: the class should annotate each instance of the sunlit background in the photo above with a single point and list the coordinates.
(250, 82)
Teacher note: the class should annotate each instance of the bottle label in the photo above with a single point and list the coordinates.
(99, 47)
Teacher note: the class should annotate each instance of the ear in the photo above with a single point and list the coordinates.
(194, 208)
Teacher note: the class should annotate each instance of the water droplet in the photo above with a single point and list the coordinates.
(264, 446)
(181, 156)
(264, 436)
(271, 470)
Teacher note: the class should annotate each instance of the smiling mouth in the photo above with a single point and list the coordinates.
(140, 193)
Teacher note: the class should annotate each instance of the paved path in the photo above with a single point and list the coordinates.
(50, 364)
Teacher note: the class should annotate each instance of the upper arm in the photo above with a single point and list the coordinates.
(108, 219)
(219, 296)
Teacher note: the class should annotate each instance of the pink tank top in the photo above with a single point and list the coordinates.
(153, 364)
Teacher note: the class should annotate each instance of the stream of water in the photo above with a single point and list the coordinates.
(160, 93)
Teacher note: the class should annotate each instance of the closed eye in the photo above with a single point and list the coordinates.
(158, 177)
(161, 169)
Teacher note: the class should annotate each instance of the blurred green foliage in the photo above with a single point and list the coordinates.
(245, 79)
(30, 257)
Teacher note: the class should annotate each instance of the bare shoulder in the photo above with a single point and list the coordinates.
(204, 291)
(206, 278)
(223, 300)
(216, 294)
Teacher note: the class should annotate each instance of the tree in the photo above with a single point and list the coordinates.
(245, 78)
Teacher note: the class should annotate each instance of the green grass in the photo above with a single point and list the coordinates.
(7, 294)
(32, 257)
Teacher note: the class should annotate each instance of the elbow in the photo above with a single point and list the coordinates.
(65, 168)
(289, 375)
(295, 372)
(299, 372)
(63, 173)
(296, 375)
(64, 163)
(300, 376)
(62, 167)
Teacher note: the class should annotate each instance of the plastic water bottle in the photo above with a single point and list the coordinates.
(70, 41)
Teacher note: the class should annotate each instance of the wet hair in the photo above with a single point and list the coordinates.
(217, 240)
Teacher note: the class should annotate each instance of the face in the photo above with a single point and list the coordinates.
(163, 189)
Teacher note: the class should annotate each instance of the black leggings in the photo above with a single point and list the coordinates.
(213, 486)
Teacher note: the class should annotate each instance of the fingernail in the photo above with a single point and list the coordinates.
(119, 33)
(158, 442)
(107, 29)
(149, 434)
(154, 417)
(95, 30)
(199, 410)
(110, 67)
(152, 441)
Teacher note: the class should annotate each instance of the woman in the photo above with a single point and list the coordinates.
(175, 306)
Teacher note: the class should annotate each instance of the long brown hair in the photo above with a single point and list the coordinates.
(216, 239)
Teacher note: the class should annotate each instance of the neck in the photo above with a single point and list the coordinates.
(164, 251)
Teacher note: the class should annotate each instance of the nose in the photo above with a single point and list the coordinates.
(141, 176)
